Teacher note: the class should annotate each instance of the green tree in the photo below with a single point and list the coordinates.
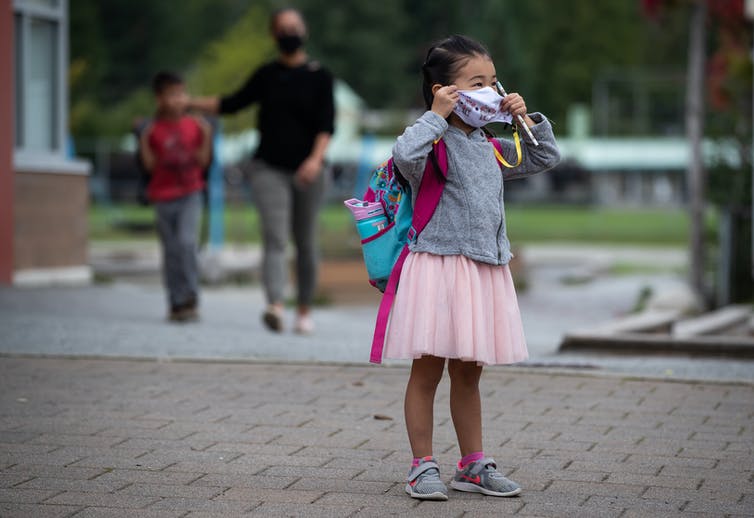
(225, 63)
(118, 45)
(551, 52)
(363, 43)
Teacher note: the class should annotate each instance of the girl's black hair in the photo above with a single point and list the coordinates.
(443, 61)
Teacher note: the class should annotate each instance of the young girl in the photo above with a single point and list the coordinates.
(456, 301)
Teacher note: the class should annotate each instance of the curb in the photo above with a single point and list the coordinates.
(623, 343)
(575, 372)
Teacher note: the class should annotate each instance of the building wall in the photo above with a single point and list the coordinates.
(6, 142)
(50, 213)
(44, 190)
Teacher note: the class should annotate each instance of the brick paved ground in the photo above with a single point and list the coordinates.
(138, 438)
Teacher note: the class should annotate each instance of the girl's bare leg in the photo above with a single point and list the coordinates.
(466, 405)
(426, 373)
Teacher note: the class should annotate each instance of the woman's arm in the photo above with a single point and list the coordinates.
(324, 109)
(321, 141)
(311, 167)
(241, 98)
(209, 105)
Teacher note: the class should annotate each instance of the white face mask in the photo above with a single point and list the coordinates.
(480, 107)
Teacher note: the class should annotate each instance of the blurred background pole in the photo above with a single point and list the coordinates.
(216, 192)
(749, 11)
(694, 132)
(366, 164)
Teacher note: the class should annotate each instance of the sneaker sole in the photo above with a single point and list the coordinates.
(183, 319)
(437, 495)
(303, 332)
(273, 322)
(473, 488)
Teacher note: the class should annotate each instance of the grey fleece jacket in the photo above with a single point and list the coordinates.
(470, 217)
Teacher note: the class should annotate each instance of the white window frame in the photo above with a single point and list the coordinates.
(28, 11)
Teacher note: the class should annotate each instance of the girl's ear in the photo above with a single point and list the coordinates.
(435, 88)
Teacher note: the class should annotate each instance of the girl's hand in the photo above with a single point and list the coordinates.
(515, 105)
(445, 100)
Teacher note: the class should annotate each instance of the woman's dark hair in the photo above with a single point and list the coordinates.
(165, 79)
(443, 61)
(280, 10)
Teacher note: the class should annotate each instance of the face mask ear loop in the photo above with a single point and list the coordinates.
(519, 156)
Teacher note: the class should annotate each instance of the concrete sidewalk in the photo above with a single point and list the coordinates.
(86, 438)
(127, 319)
(222, 418)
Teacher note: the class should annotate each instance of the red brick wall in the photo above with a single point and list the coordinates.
(50, 213)
(6, 142)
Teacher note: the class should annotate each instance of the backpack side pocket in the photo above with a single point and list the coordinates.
(380, 253)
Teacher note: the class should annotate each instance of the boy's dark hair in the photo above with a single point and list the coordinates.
(443, 61)
(163, 80)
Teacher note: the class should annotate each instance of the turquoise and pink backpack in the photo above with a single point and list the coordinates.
(386, 251)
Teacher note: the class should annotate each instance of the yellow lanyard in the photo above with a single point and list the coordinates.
(500, 158)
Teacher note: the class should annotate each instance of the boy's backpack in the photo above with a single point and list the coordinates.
(385, 252)
(144, 176)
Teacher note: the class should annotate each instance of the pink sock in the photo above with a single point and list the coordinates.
(417, 460)
(471, 457)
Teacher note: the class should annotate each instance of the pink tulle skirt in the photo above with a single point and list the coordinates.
(454, 307)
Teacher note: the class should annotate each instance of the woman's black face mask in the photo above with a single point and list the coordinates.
(289, 43)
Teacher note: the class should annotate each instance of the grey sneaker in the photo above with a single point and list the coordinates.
(424, 481)
(483, 477)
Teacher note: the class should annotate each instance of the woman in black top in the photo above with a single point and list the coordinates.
(296, 121)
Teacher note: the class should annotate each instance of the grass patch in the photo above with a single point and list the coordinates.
(338, 234)
(128, 222)
(531, 223)
(525, 223)
(625, 268)
(116, 222)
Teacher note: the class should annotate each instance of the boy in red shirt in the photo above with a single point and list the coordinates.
(175, 150)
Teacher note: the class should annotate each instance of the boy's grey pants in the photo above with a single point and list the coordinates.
(286, 208)
(178, 227)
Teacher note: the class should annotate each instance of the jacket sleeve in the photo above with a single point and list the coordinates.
(325, 109)
(412, 148)
(534, 159)
(248, 94)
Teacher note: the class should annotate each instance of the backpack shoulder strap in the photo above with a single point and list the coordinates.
(430, 188)
(427, 198)
(439, 154)
(496, 144)
(386, 304)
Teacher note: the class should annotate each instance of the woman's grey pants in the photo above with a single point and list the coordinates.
(178, 227)
(286, 208)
